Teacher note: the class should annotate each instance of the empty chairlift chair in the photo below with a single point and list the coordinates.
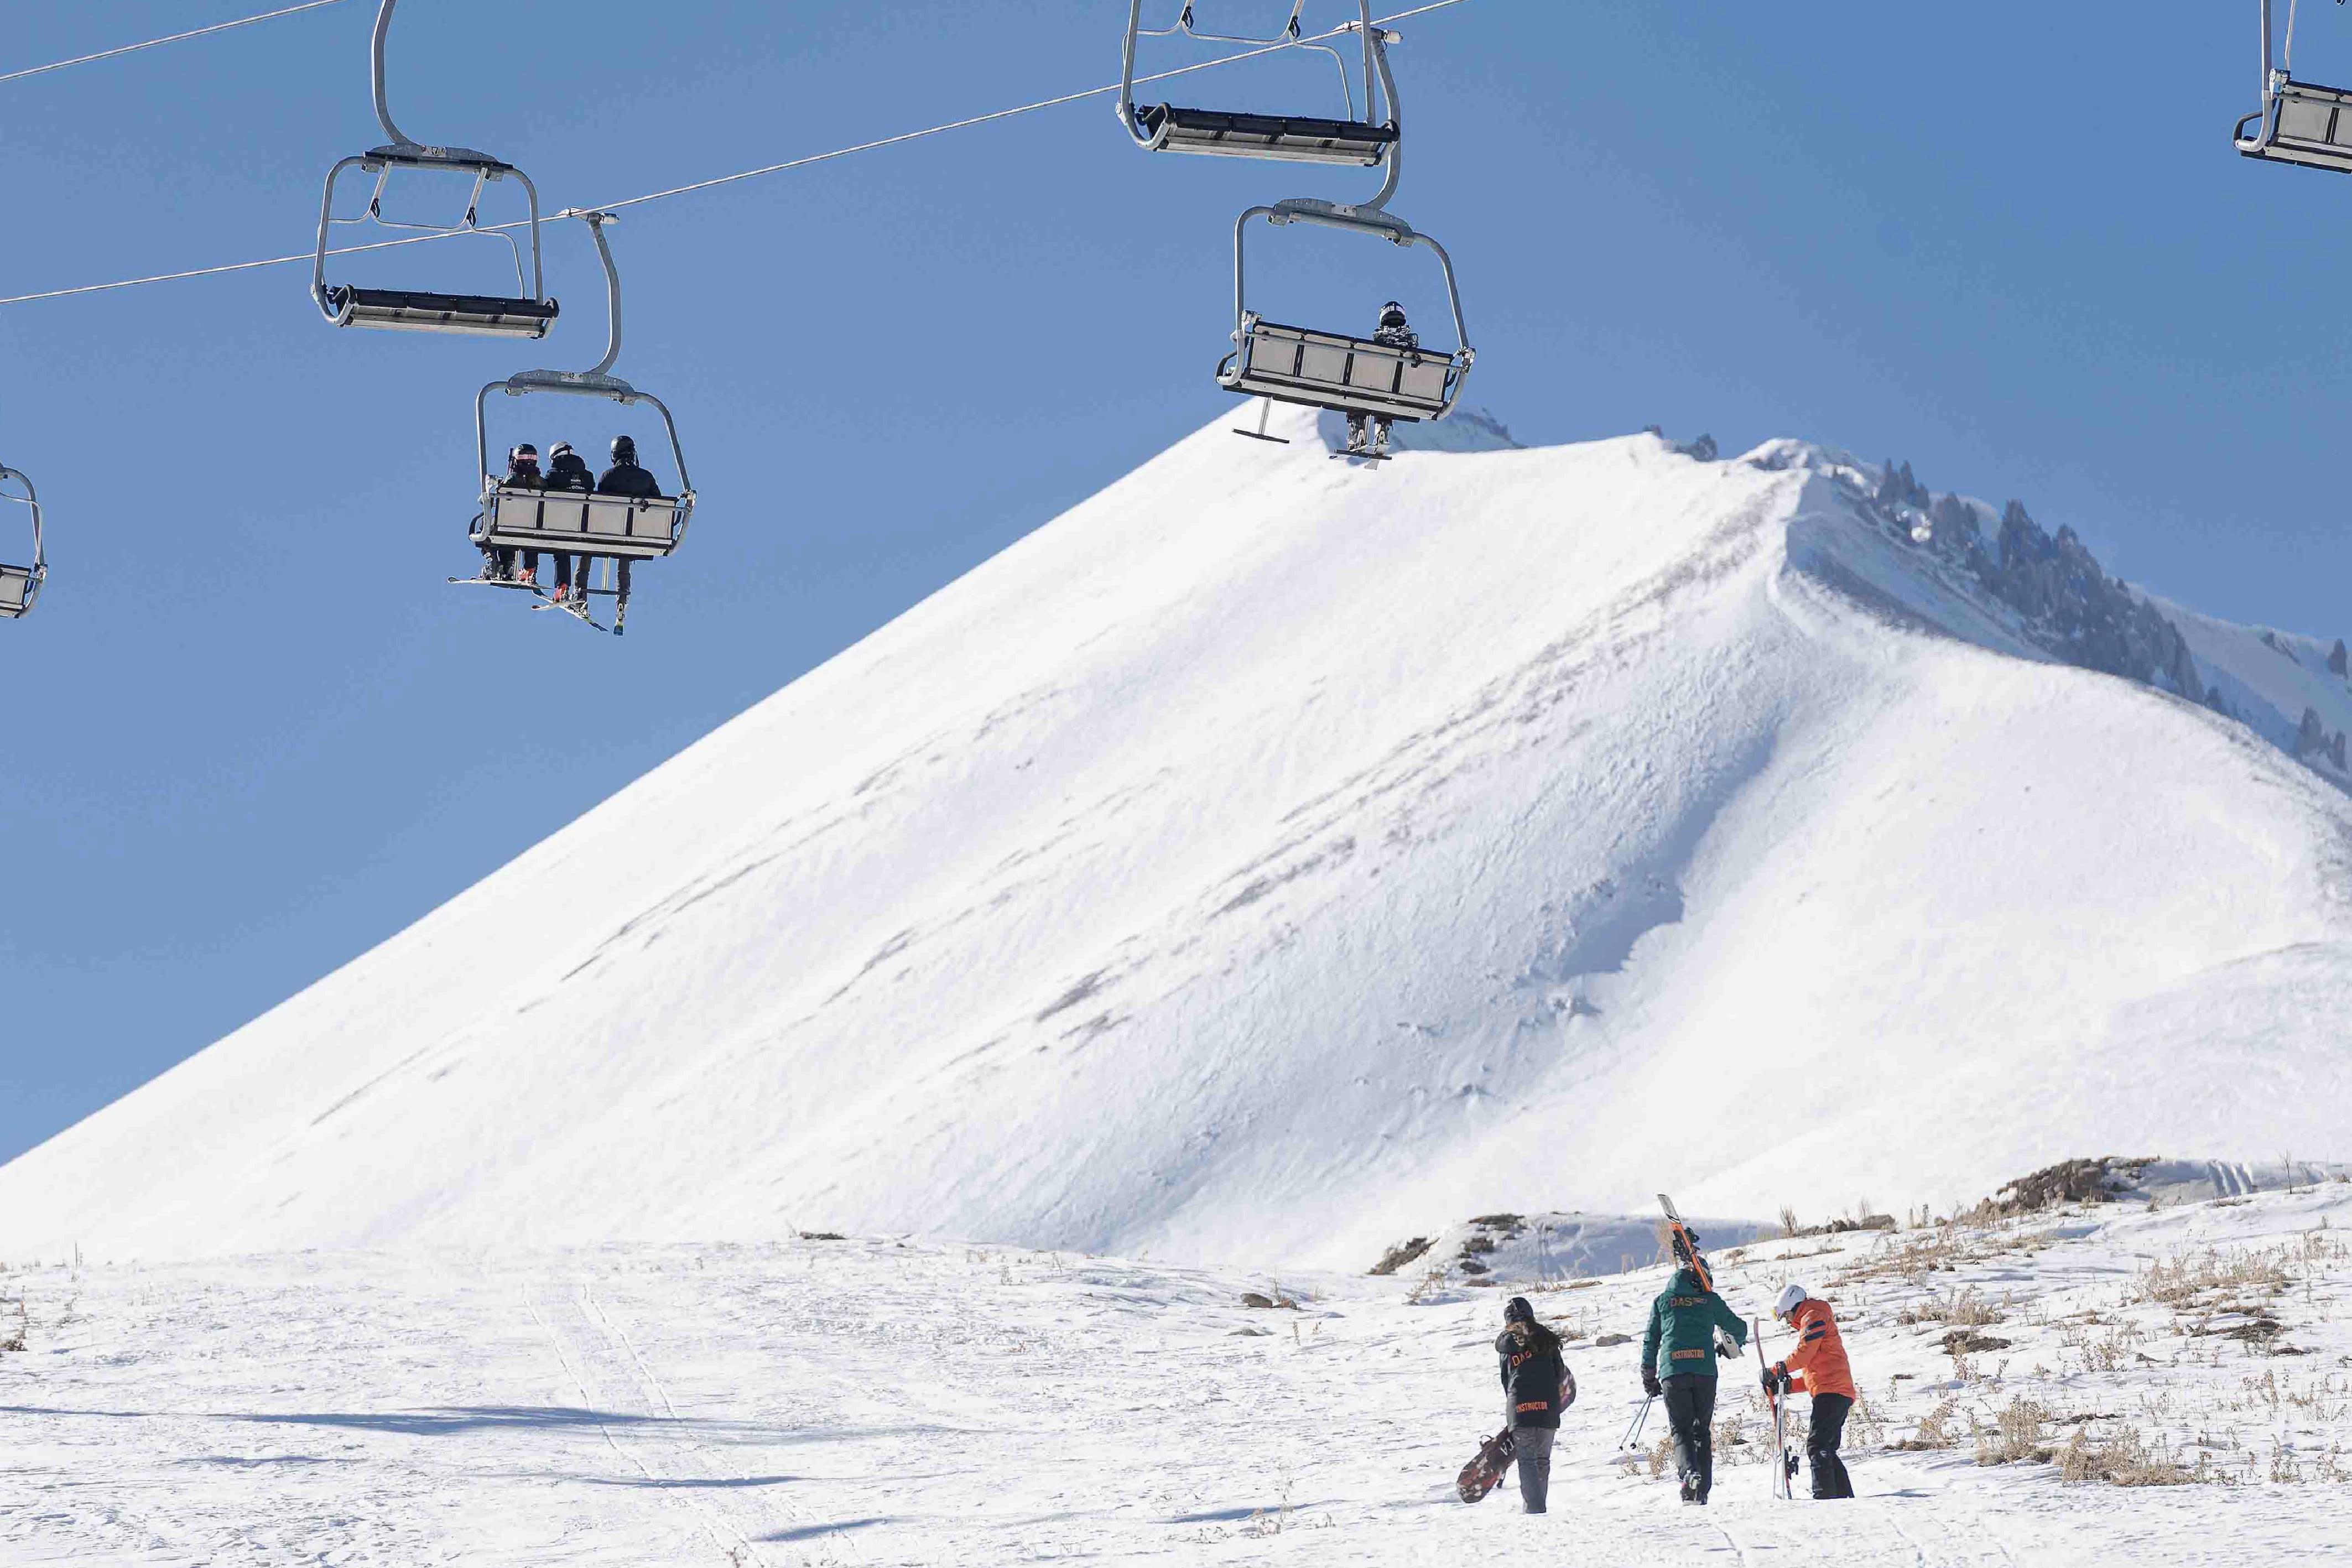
(2299, 121)
(526, 313)
(619, 528)
(1339, 371)
(20, 586)
(1301, 139)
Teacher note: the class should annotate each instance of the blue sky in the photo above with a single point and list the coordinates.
(251, 733)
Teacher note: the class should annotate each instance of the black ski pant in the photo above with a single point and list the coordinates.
(1690, 1415)
(1821, 1442)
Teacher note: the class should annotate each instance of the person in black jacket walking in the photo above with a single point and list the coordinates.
(1536, 1387)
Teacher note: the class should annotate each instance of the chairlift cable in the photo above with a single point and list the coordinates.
(723, 179)
(170, 39)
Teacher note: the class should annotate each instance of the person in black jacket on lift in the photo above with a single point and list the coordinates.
(1536, 1387)
(625, 477)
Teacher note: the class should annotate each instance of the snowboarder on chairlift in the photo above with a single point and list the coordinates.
(1536, 1387)
(1688, 1325)
(1819, 1361)
(1395, 332)
(522, 474)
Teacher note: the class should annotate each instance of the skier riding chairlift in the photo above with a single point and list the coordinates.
(1395, 333)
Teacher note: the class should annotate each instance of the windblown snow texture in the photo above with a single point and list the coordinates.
(1272, 859)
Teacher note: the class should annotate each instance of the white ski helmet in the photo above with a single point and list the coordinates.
(1790, 1300)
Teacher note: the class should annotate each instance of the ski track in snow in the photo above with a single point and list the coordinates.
(880, 1403)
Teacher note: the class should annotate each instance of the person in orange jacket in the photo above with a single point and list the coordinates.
(1819, 1361)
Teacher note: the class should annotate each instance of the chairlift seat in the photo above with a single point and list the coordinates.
(19, 587)
(1292, 138)
(405, 310)
(638, 527)
(1333, 371)
(2307, 124)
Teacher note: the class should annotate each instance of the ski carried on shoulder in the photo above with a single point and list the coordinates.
(1486, 1468)
(1685, 1242)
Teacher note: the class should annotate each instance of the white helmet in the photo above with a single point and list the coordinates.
(1790, 1300)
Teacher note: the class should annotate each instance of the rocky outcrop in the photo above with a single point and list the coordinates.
(2070, 606)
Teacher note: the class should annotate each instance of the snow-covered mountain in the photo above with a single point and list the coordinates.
(1271, 859)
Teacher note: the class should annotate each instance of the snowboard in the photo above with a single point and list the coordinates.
(1479, 1476)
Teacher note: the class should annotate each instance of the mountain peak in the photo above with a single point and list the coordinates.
(1273, 857)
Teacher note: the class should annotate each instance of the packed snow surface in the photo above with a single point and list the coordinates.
(1272, 859)
(872, 1402)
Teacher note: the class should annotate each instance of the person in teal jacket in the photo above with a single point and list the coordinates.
(1678, 1355)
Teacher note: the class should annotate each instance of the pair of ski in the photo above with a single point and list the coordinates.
(1350, 453)
(574, 604)
(1481, 1475)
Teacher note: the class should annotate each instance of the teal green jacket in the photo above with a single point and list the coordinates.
(1681, 1338)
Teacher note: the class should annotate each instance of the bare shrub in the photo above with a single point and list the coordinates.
(2126, 1460)
(1934, 1430)
(1661, 1455)
(2181, 1281)
(2019, 1435)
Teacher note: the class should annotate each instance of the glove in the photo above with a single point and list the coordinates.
(1726, 1351)
(1650, 1382)
(1771, 1380)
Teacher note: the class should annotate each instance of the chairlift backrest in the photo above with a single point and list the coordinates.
(640, 528)
(1364, 140)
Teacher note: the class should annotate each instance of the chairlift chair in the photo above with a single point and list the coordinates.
(1339, 371)
(2299, 121)
(620, 527)
(527, 313)
(20, 586)
(1300, 138)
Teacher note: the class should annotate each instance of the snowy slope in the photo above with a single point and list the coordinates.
(868, 1402)
(1270, 859)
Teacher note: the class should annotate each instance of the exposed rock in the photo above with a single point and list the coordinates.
(1896, 486)
(2336, 664)
(1402, 1253)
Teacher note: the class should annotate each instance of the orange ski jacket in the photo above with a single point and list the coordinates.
(1819, 1361)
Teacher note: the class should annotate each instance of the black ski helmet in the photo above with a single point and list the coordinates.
(524, 452)
(625, 449)
(1517, 1311)
(1391, 316)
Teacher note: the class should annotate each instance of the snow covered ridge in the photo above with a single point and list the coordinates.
(2102, 1387)
(1268, 859)
(2049, 593)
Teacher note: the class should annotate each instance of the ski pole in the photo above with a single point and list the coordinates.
(1634, 1428)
